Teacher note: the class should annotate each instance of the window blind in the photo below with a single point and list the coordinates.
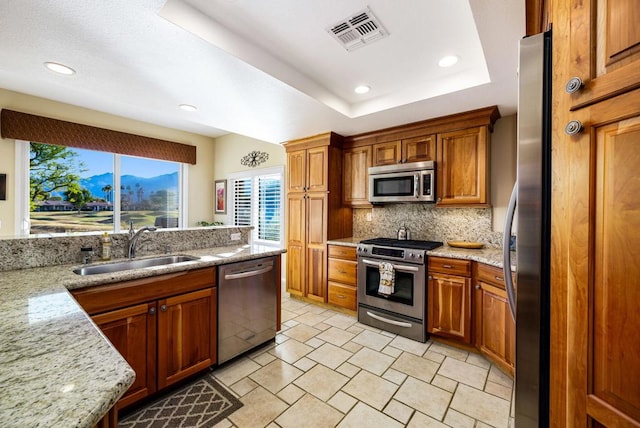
(242, 195)
(268, 213)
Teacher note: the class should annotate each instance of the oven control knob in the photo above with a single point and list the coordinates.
(419, 256)
(411, 255)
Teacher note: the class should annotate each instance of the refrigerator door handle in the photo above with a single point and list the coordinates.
(506, 253)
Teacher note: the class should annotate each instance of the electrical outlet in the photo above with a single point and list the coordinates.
(235, 236)
(369, 216)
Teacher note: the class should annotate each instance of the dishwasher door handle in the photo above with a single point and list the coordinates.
(249, 273)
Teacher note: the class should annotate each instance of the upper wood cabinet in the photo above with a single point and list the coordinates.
(314, 212)
(419, 149)
(355, 184)
(595, 274)
(463, 175)
(387, 153)
(463, 167)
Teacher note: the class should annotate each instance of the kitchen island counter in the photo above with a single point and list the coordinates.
(56, 367)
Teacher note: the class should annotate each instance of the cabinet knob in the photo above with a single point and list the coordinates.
(341, 296)
(478, 287)
(447, 266)
(429, 277)
(152, 310)
(163, 308)
(574, 127)
(498, 278)
(574, 85)
(342, 272)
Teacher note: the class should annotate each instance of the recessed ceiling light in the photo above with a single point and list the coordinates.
(362, 89)
(59, 68)
(448, 61)
(188, 107)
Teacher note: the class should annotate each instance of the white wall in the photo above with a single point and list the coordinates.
(229, 150)
(200, 203)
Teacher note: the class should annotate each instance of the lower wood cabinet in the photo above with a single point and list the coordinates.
(449, 298)
(164, 326)
(342, 274)
(494, 327)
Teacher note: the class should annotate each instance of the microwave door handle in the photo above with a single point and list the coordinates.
(396, 267)
(416, 184)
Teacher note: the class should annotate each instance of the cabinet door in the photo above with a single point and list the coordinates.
(419, 149)
(386, 153)
(355, 183)
(296, 243)
(463, 168)
(132, 331)
(186, 335)
(595, 274)
(449, 306)
(316, 255)
(296, 171)
(317, 169)
(495, 329)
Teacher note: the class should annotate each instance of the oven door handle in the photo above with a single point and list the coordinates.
(396, 267)
(388, 321)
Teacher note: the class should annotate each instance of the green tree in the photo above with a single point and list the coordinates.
(51, 168)
(78, 196)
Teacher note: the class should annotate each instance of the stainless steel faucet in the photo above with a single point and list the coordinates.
(134, 236)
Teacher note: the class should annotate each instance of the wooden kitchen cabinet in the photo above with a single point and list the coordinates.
(463, 167)
(449, 298)
(186, 333)
(342, 274)
(388, 153)
(164, 326)
(595, 273)
(355, 184)
(132, 331)
(494, 326)
(315, 212)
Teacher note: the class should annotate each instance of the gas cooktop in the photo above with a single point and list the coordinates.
(403, 243)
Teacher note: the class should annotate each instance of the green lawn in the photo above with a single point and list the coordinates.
(89, 221)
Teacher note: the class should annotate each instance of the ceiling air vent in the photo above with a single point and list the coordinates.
(360, 29)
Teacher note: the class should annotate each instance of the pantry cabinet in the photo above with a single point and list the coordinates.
(164, 326)
(449, 298)
(494, 326)
(315, 212)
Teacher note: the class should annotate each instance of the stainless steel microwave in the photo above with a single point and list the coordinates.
(404, 182)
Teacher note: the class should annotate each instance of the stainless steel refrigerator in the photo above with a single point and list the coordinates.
(529, 301)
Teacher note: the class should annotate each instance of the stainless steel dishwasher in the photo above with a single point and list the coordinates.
(247, 306)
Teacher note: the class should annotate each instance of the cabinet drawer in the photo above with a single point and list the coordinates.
(491, 275)
(340, 252)
(342, 295)
(452, 266)
(342, 271)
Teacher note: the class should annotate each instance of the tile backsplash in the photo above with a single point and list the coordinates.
(23, 253)
(426, 222)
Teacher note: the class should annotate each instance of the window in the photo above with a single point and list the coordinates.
(77, 190)
(257, 201)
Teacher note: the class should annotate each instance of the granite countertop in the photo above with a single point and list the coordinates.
(56, 367)
(490, 256)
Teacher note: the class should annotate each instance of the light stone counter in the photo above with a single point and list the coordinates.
(56, 367)
(490, 256)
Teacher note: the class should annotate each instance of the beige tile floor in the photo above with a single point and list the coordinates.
(327, 370)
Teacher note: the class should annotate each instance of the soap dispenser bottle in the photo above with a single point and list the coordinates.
(106, 247)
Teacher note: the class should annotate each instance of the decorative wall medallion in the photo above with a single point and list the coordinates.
(254, 158)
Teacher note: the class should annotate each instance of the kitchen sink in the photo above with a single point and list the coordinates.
(132, 264)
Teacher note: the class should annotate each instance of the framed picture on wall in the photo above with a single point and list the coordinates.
(220, 196)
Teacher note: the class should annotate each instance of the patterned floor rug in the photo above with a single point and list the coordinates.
(202, 403)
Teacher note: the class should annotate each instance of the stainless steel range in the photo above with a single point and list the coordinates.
(404, 310)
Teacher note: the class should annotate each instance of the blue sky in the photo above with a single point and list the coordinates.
(101, 162)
